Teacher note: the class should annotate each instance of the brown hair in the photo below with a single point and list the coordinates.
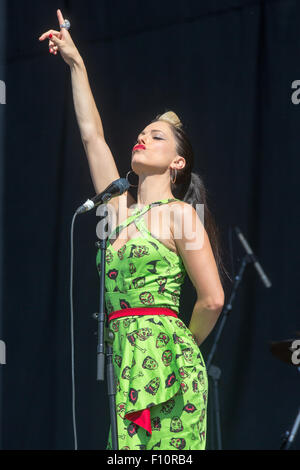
(189, 186)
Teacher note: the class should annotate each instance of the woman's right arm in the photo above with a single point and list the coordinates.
(101, 161)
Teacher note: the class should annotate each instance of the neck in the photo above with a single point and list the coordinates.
(153, 188)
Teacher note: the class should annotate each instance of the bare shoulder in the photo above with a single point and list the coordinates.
(184, 213)
(188, 227)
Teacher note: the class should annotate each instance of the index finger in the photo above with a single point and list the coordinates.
(60, 17)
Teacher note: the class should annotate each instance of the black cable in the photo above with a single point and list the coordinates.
(72, 334)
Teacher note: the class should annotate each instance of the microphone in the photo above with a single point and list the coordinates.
(250, 253)
(116, 188)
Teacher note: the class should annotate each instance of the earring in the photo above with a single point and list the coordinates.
(133, 185)
(173, 180)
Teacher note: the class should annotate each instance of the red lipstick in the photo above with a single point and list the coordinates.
(139, 146)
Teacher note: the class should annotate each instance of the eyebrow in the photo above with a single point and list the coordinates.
(154, 130)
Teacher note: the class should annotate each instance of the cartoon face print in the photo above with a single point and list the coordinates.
(184, 387)
(124, 303)
(146, 298)
(176, 424)
(178, 443)
(162, 339)
(153, 386)
(167, 357)
(189, 408)
(170, 380)
(149, 363)
(168, 406)
(133, 395)
(113, 274)
(156, 424)
(121, 252)
(195, 386)
(180, 324)
(108, 257)
(132, 340)
(143, 333)
(183, 372)
(118, 360)
(132, 429)
(161, 281)
(121, 410)
(115, 325)
(188, 354)
(177, 339)
(126, 373)
(137, 251)
(128, 321)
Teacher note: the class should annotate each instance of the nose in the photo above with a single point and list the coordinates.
(141, 140)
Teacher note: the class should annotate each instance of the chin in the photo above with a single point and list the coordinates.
(136, 166)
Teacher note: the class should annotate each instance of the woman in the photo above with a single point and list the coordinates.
(162, 381)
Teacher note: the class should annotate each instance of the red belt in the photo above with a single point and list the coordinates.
(142, 417)
(142, 311)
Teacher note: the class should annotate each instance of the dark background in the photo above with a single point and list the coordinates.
(226, 68)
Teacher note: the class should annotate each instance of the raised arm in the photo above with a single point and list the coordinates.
(101, 161)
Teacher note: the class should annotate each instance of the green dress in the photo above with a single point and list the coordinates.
(157, 363)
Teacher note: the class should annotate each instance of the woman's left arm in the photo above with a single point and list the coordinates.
(194, 247)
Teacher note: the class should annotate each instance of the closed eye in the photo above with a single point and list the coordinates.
(159, 138)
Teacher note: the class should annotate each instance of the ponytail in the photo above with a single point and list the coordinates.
(190, 188)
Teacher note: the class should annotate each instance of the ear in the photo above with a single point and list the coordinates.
(178, 163)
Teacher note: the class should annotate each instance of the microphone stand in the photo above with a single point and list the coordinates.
(213, 371)
(104, 347)
(289, 436)
(105, 335)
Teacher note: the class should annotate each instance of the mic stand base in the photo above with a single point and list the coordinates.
(111, 391)
(105, 349)
(215, 373)
(290, 435)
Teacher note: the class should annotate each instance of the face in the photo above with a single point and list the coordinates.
(159, 152)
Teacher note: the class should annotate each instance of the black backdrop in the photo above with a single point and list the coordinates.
(226, 68)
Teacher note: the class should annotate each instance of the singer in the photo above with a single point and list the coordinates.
(162, 382)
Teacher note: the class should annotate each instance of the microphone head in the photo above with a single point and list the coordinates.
(116, 188)
(123, 184)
